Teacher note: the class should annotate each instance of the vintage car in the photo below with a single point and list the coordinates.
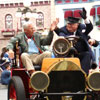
(59, 78)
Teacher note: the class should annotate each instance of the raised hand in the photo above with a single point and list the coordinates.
(57, 21)
(54, 24)
(91, 41)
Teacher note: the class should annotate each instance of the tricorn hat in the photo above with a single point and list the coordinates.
(73, 20)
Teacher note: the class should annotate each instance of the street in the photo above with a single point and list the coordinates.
(3, 92)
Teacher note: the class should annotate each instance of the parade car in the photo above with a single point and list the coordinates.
(59, 78)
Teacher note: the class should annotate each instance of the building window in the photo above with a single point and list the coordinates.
(19, 28)
(98, 17)
(40, 20)
(98, 21)
(95, 12)
(8, 21)
(22, 20)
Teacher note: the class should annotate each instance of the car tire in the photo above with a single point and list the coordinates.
(16, 90)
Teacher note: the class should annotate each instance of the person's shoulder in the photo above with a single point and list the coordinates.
(64, 27)
(82, 26)
(19, 36)
(5, 71)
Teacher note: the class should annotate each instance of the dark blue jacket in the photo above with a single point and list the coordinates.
(85, 53)
(5, 77)
(82, 44)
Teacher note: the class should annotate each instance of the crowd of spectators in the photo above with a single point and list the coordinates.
(5, 66)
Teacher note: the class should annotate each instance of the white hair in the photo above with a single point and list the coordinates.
(26, 23)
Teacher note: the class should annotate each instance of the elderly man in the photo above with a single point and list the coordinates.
(30, 43)
(73, 27)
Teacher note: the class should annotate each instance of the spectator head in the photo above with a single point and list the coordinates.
(4, 50)
(7, 66)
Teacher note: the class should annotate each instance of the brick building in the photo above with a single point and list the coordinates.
(10, 25)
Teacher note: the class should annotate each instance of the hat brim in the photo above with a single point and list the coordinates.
(73, 20)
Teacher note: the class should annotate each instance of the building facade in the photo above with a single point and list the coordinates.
(12, 25)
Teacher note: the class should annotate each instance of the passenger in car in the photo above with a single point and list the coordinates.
(73, 27)
(30, 43)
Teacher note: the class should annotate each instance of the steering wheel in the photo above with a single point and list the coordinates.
(72, 39)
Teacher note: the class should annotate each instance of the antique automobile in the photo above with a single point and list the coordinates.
(59, 78)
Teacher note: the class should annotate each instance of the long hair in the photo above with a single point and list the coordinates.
(4, 50)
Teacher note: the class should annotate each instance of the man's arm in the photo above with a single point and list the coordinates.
(57, 30)
(11, 46)
(89, 27)
(49, 38)
(12, 43)
(88, 23)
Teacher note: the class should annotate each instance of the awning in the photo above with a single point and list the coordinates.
(92, 12)
(67, 1)
(76, 13)
(59, 1)
(76, 0)
(68, 14)
(98, 11)
(84, 0)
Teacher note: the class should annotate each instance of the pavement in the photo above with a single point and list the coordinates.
(3, 92)
(3, 86)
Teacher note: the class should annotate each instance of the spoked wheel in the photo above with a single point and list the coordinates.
(16, 89)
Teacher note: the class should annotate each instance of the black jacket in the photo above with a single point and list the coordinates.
(82, 44)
